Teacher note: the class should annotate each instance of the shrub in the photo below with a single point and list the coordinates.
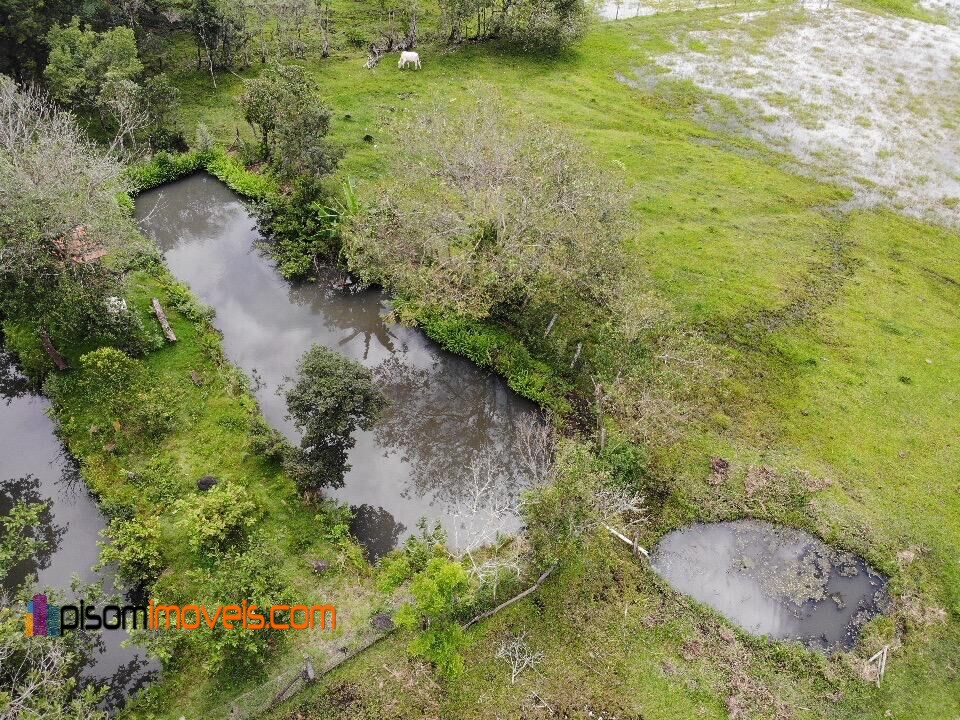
(439, 591)
(217, 518)
(254, 576)
(109, 377)
(154, 414)
(134, 545)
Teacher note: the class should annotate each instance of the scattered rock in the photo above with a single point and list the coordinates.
(720, 471)
(195, 377)
(206, 483)
(382, 621)
(320, 566)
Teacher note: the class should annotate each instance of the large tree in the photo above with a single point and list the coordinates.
(487, 211)
(331, 397)
(283, 107)
(83, 61)
(58, 214)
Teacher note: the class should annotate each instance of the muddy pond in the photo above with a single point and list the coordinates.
(773, 581)
(444, 449)
(34, 467)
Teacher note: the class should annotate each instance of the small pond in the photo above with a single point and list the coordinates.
(774, 581)
(450, 429)
(35, 467)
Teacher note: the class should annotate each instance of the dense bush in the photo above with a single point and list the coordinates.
(439, 591)
(484, 212)
(218, 518)
(134, 545)
(165, 167)
(491, 347)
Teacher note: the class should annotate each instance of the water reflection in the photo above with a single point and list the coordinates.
(27, 490)
(450, 427)
(772, 580)
(35, 467)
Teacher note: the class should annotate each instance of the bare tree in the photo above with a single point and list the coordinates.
(518, 655)
(121, 99)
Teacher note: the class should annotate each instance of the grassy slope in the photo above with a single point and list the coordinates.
(822, 316)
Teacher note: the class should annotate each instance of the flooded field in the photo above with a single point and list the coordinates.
(773, 581)
(881, 120)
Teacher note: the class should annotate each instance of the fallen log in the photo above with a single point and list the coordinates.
(164, 323)
(637, 549)
(57, 358)
(515, 598)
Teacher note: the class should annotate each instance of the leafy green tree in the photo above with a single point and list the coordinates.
(160, 98)
(82, 61)
(439, 591)
(301, 145)
(279, 91)
(20, 538)
(331, 397)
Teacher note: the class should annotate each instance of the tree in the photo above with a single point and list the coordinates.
(159, 97)
(280, 95)
(532, 25)
(486, 212)
(21, 537)
(331, 397)
(221, 33)
(58, 211)
(82, 61)
(439, 592)
(301, 145)
(38, 675)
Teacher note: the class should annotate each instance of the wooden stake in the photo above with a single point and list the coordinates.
(164, 323)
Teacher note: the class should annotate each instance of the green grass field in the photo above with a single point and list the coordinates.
(840, 332)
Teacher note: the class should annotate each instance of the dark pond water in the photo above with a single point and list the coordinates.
(35, 467)
(445, 449)
(773, 581)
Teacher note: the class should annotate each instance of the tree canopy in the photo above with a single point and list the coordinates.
(331, 397)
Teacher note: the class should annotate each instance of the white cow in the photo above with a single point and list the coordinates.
(408, 57)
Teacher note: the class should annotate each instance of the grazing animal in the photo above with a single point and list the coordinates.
(407, 57)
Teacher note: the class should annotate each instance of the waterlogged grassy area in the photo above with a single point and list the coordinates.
(838, 330)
